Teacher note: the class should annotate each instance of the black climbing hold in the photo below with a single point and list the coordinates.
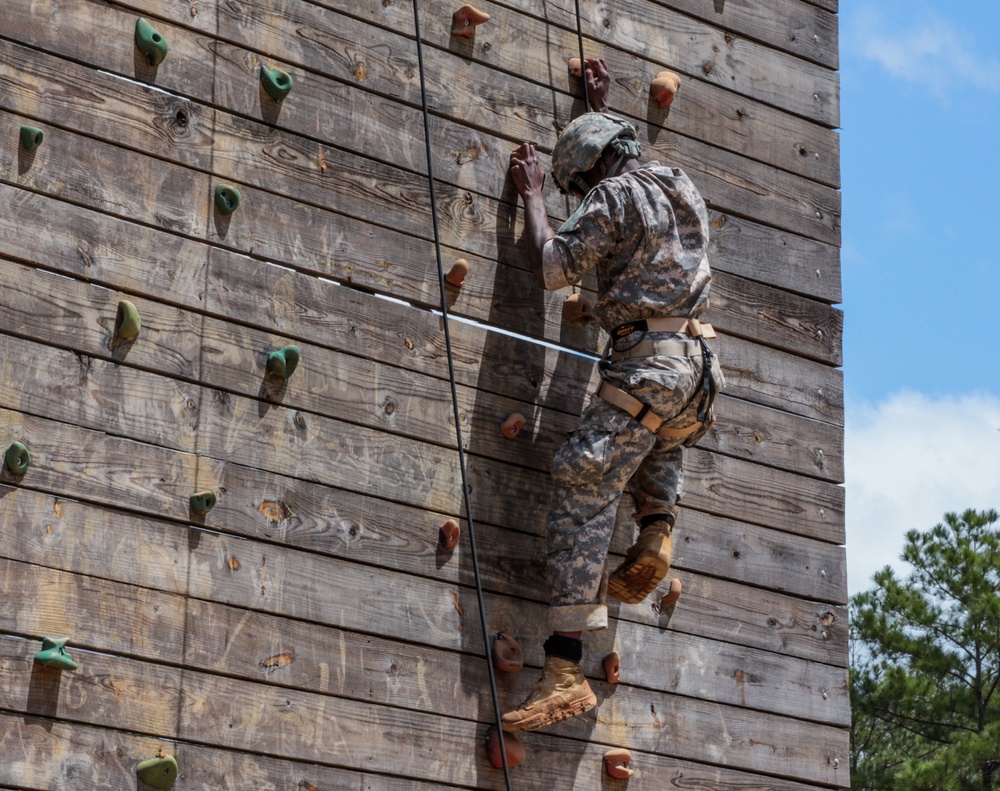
(276, 82)
(53, 654)
(203, 502)
(159, 772)
(283, 362)
(127, 321)
(31, 138)
(17, 459)
(150, 43)
(227, 199)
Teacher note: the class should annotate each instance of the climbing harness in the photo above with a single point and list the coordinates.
(454, 393)
(620, 348)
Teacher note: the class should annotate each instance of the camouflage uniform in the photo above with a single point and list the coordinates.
(646, 233)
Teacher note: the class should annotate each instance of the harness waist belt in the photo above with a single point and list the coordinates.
(641, 412)
(647, 347)
(693, 327)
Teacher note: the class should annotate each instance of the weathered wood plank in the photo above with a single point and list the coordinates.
(58, 756)
(221, 639)
(525, 111)
(66, 535)
(352, 525)
(51, 89)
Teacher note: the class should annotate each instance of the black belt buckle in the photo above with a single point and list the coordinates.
(622, 331)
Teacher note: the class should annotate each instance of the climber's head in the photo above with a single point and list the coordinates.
(588, 141)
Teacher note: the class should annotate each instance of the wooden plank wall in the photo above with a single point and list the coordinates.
(307, 633)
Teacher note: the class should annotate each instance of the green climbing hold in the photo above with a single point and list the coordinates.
(31, 138)
(127, 322)
(283, 362)
(17, 460)
(53, 654)
(227, 199)
(159, 772)
(203, 502)
(150, 43)
(276, 82)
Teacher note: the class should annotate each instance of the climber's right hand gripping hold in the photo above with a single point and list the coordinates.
(529, 178)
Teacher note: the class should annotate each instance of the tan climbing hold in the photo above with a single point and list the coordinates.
(664, 88)
(507, 654)
(512, 746)
(456, 275)
(466, 19)
(613, 667)
(574, 67)
(449, 533)
(618, 762)
(673, 593)
(512, 425)
(577, 308)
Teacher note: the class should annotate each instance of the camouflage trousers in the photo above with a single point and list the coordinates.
(607, 453)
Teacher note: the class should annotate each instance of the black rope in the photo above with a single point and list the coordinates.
(454, 397)
(583, 63)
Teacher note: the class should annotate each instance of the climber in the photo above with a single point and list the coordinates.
(644, 230)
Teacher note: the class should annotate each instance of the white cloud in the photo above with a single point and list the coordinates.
(909, 460)
(924, 48)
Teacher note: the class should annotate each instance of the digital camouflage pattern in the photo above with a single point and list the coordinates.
(583, 141)
(646, 234)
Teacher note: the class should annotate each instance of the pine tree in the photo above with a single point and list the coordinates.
(925, 664)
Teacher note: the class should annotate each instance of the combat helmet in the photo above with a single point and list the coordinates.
(583, 141)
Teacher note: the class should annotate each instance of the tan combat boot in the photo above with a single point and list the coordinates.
(646, 563)
(561, 692)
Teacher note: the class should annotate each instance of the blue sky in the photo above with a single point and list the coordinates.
(920, 111)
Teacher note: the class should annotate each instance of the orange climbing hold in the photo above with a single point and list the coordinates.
(618, 762)
(664, 88)
(512, 746)
(457, 273)
(613, 667)
(466, 19)
(512, 425)
(672, 594)
(449, 533)
(507, 654)
(577, 307)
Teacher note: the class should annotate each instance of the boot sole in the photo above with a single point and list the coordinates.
(542, 720)
(633, 581)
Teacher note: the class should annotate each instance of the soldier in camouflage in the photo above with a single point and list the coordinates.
(644, 230)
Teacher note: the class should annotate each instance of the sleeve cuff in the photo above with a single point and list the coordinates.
(553, 271)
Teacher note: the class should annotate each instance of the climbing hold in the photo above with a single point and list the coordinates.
(277, 83)
(227, 199)
(158, 772)
(507, 654)
(673, 593)
(577, 307)
(613, 667)
(31, 138)
(17, 459)
(574, 67)
(283, 362)
(618, 762)
(512, 425)
(456, 276)
(449, 533)
(513, 748)
(466, 19)
(150, 43)
(127, 321)
(203, 502)
(664, 88)
(54, 654)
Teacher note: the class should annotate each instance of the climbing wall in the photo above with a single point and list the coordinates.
(309, 631)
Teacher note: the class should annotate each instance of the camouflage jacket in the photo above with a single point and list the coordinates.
(646, 234)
